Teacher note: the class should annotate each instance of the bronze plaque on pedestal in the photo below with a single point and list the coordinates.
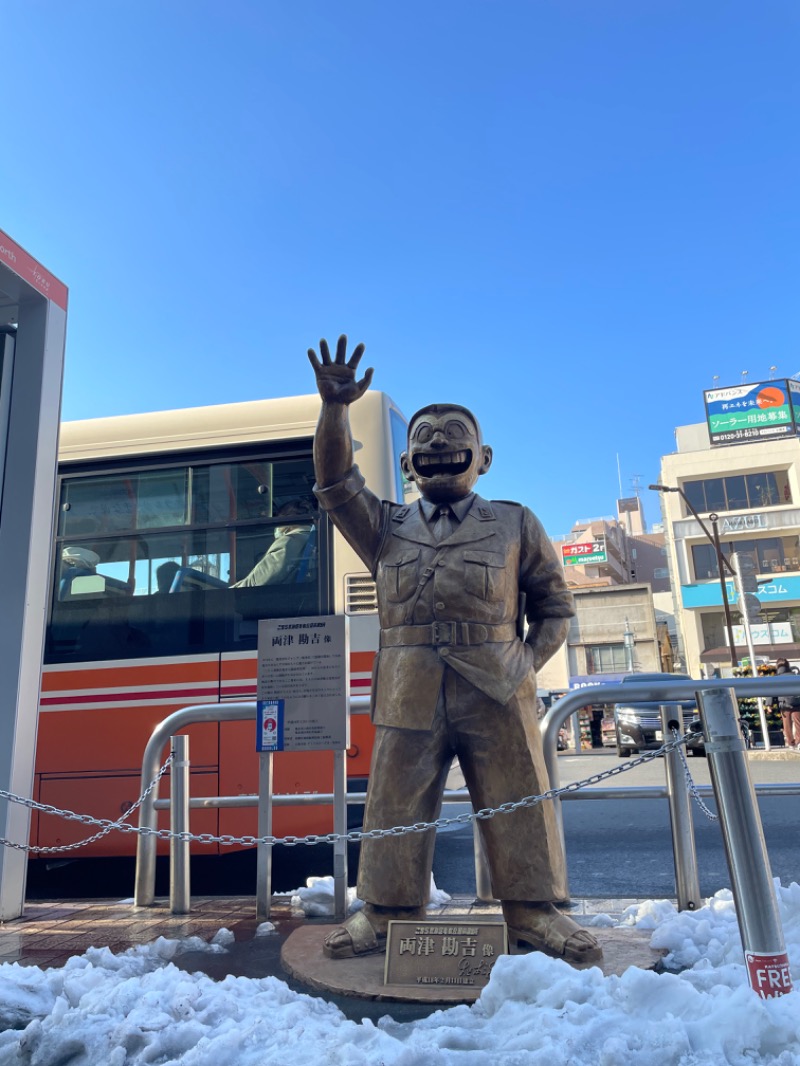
(450, 953)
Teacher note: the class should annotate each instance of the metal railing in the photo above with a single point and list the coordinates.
(145, 880)
(663, 691)
(652, 691)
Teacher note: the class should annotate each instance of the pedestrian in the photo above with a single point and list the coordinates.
(789, 707)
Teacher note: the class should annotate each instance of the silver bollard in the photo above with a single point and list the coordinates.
(179, 884)
(745, 848)
(687, 882)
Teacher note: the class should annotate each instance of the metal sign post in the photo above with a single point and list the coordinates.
(745, 847)
(303, 705)
(750, 610)
(264, 851)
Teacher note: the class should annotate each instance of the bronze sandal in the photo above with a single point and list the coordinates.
(560, 937)
(363, 939)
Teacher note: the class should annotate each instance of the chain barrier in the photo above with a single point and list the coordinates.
(692, 787)
(227, 840)
(85, 819)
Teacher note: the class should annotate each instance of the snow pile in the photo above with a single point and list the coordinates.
(316, 899)
(139, 1009)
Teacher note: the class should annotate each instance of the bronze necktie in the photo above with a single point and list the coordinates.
(443, 524)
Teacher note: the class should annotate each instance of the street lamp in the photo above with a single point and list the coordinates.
(629, 642)
(722, 561)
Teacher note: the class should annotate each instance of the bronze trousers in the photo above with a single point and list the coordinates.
(500, 751)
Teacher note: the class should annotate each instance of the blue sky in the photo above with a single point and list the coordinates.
(567, 215)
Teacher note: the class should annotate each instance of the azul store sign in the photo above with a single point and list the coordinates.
(772, 590)
(750, 522)
(739, 522)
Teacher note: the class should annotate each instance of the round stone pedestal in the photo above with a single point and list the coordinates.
(302, 957)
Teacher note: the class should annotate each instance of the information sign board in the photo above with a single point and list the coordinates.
(303, 688)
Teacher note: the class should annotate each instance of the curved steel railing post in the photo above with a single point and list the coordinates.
(145, 887)
(651, 692)
(145, 881)
(646, 692)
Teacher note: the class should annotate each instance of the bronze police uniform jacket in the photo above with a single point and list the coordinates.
(452, 603)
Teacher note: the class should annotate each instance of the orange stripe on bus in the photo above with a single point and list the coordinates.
(361, 661)
(129, 676)
(239, 669)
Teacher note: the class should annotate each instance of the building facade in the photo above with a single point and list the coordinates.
(615, 551)
(754, 489)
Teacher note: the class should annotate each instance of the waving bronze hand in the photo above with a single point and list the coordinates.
(336, 378)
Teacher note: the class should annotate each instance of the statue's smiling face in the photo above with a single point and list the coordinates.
(445, 455)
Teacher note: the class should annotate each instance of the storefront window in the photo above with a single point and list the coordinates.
(739, 492)
(736, 492)
(606, 659)
(772, 555)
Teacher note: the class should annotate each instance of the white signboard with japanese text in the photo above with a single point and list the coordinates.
(303, 688)
(765, 633)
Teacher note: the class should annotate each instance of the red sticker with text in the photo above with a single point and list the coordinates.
(769, 974)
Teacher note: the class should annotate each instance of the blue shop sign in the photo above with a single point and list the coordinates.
(770, 590)
(590, 680)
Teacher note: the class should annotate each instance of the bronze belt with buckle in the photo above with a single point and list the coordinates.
(437, 634)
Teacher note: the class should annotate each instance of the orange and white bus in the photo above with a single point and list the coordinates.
(160, 519)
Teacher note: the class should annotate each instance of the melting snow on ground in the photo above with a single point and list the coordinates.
(138, 1008)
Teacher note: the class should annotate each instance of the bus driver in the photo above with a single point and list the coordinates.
(283, 558)
(452, 677)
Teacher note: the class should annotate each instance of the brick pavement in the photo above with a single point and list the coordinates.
(50, 932)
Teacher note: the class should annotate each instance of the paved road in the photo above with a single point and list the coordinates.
(624, 847)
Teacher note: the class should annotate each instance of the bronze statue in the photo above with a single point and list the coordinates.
(453, 676)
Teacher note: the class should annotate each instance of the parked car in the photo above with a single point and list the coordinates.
(696, 744)
(638, 725)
